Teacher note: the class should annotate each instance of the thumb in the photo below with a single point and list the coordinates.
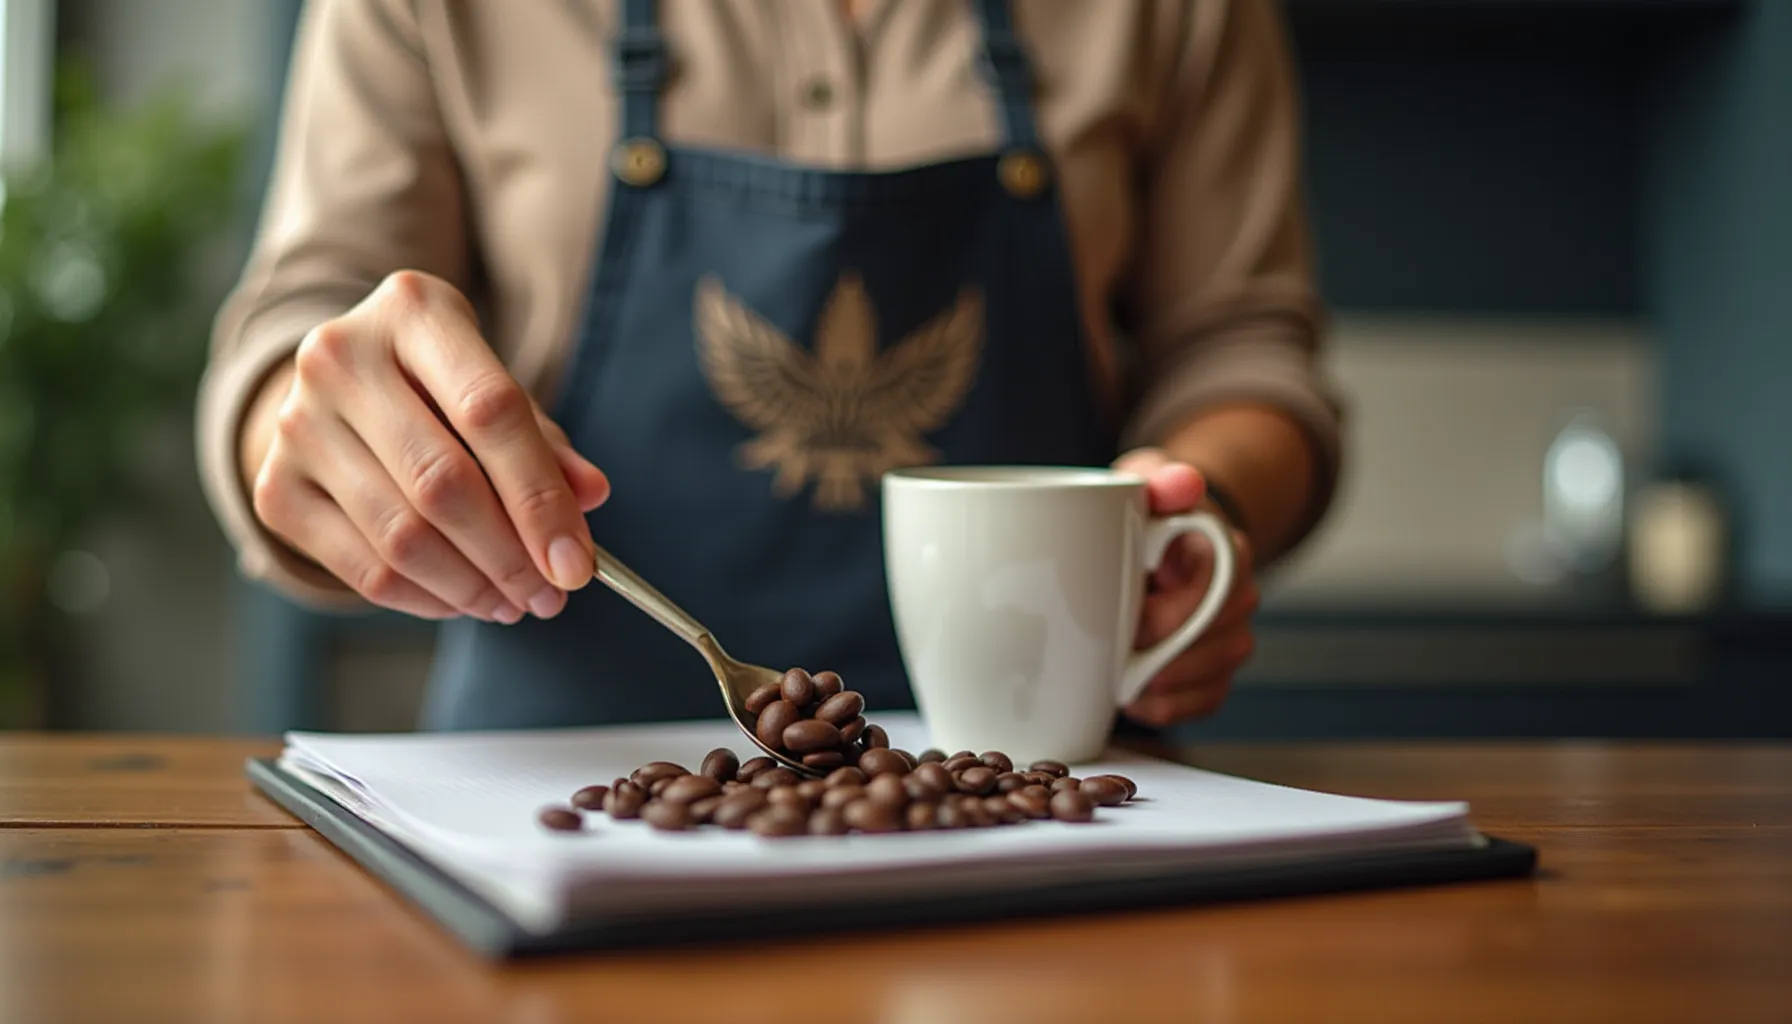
(1172, 485)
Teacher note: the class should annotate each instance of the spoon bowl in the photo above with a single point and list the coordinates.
(736, 678)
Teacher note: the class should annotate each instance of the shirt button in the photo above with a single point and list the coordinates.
(818, 94)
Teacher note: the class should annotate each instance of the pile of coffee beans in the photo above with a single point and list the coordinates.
(883, 790)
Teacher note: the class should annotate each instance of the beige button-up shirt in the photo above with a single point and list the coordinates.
(470, 139)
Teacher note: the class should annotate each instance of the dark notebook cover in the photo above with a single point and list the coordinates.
(487, 930)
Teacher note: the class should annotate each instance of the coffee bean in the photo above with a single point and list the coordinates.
(976, 814)
(797, 687)
(661, 785)
(848, 776)
(1039, 778)
(887, 789)
(1001, 809)
(882, 761)
(590, 798)
(1104, 791)
(790, 796)
(1071, 805)
(779, 821)
(779, 776)
(812, 788)
(810, 736)
(918, 788)
(734, 810)
(753, 766)
(841, 708)
(935, 775)
(932, 755)
(840, 796)
(702, 811)
(876, 737)
(824, 760)
(827, 684)
(872, 816)
(976, 780)
(828, 821)
(646, 775)
(666, 816)
(720, 764)
(853, 730)
(762, 698)
(1053, 768)
(1008, 782)
(624, 802)
(561, 819)
(1033, 801)
(959, 762)
(972, 754)
(732, 785)
(920, 816)
(949, 815)
(996, 759)
(776, 718)
(1132, 788)
(687, 788)
(1063, 783)
(908, 759)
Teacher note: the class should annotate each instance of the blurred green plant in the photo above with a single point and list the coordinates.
(109, 255)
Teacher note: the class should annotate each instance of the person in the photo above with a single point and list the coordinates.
(682, 279)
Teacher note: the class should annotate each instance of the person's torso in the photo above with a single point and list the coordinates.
(759, 341)
(529, 105)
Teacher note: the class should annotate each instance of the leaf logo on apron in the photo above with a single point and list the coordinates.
(845, 413)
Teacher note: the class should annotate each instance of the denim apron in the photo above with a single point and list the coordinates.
(759, 342)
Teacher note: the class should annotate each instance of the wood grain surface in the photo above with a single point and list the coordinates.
(1665, 895)
(133, 780)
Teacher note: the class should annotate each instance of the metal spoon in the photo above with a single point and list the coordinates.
(736, 678)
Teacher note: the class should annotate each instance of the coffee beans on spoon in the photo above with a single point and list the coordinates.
(813, 719)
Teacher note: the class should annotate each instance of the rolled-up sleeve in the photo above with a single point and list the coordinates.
(1224, 304)
(364, 183)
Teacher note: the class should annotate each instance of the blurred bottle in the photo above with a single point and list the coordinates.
(1583, 496)
(1679, 545)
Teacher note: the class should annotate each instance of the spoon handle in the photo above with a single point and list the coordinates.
(640, 593)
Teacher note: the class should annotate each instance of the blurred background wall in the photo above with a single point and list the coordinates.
(1530, 214)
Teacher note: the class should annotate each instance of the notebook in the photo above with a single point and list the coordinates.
(449, 821)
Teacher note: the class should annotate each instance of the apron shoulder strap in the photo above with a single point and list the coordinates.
(640, 68)
(1005, 63)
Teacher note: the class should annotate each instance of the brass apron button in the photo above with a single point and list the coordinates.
(1022, 174)
(639, 162)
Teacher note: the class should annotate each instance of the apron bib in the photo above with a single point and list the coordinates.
(760, 341)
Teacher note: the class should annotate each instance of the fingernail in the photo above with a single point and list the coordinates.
(570, 562)
(509, 614)
(547, 603)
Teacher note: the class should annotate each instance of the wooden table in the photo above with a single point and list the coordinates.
(142, 880)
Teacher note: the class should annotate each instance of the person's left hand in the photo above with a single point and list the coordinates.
(1197, 681)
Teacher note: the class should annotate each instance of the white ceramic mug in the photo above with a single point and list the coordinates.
(1017, 593)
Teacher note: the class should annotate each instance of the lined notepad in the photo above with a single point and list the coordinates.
(467, 803)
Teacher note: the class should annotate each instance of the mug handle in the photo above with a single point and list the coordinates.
(1141, 666)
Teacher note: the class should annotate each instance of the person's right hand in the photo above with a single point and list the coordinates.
(404, 459)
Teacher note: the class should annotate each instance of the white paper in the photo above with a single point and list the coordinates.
(468, 801)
